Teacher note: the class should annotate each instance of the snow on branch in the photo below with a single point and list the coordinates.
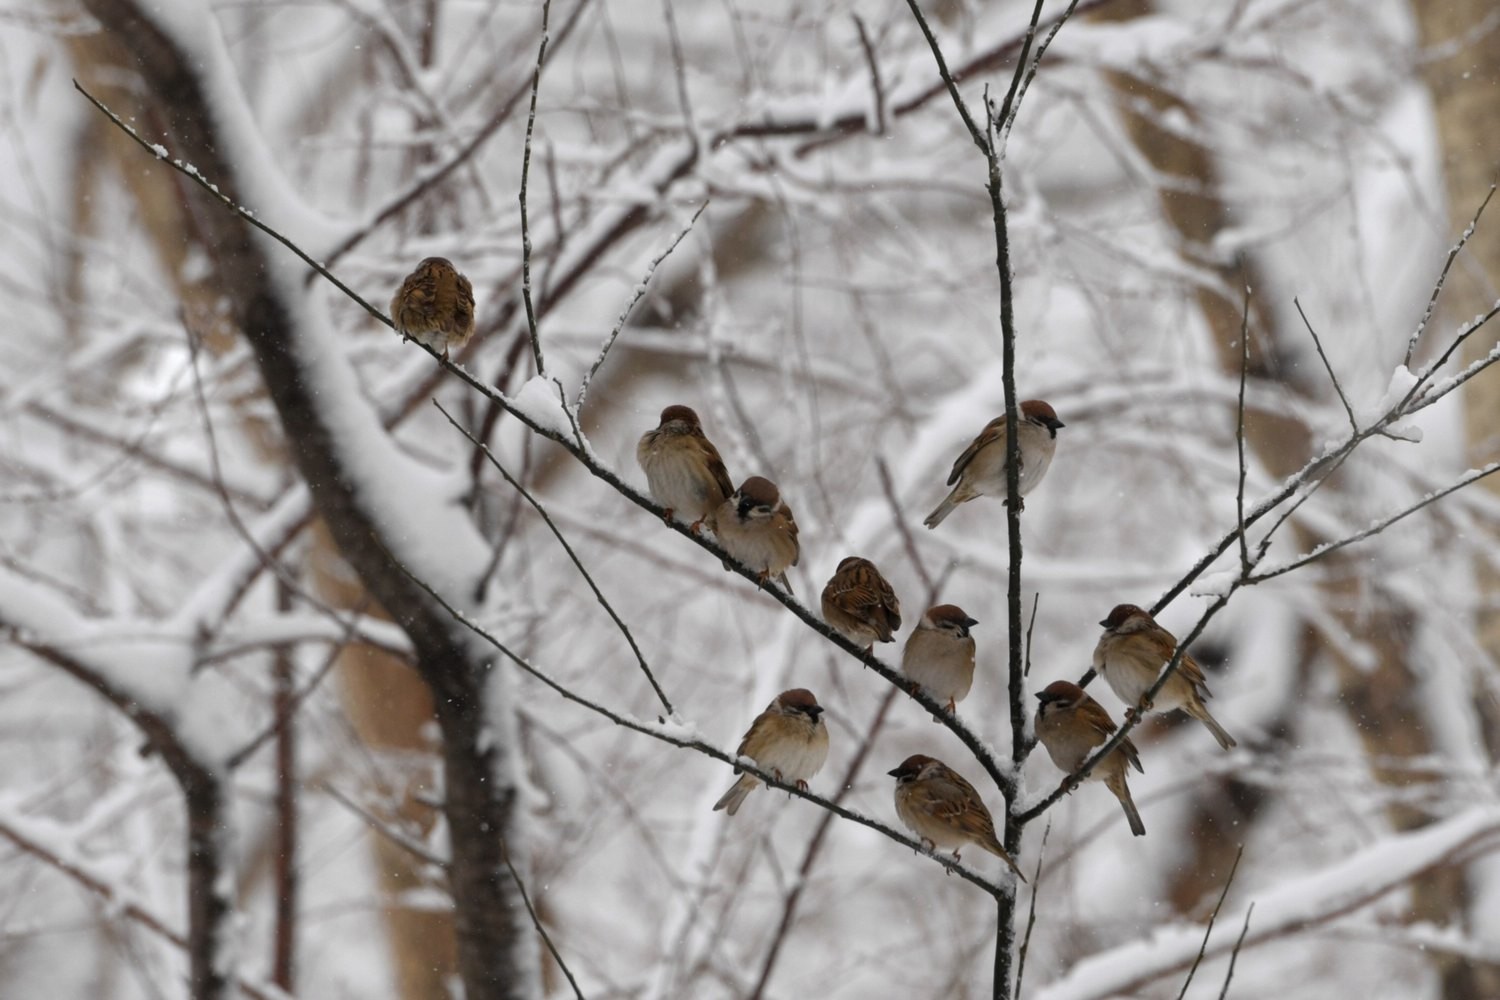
(1301, 901)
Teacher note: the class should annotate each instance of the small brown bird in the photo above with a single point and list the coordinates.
(1071, 725)
(943, 809)
(939, 654)
(1131, 653)
(860, 605)
(684, 472)
(980, 470)
(756, 527)
(435, 306)
(789, 739)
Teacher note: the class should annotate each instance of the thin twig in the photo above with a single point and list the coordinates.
(975, 132)
(1036, 885)
(1322, 356)
(1131, 721)
(536, 921)
(536, 83)
(1239, 433)
(815, 845)
(878, 125)
(1010, 119)
(1442, 279)
(668, 735)
(1472, 477)
(640, 657)
(269, 561)
(898, 516)
(192, 173)
(295, 700)
(679, 75)
(288, 867)
(1036, 599)
(385, 829)
(1234, 956)
(482, 135)
(1208, 931)
(118, 904)
(640, 291)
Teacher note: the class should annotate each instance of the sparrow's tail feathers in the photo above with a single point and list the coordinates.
(1128, 804)
(1201, 714)
(736, 794)
(943, 510)
(993, 846)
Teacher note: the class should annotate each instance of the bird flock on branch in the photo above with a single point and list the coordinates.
(753, 524)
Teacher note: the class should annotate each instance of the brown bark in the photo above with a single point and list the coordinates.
(496, 959)
(1381, 703)
(1464, 79)
(390, 707)
(387, 701)
(1224, 812)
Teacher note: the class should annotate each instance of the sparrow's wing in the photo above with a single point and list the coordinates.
(714, 463)
(993, 431)
(463, 306)
(755, 737)
(955, 802)
(1094, 715)
(789, 527)
(1164, 644)
(863, 592)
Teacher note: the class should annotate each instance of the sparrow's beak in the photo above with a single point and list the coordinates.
(1104, 623)
(1041, 696)
(970, 622)
(897, 772)
(813, 711)
(1057, 423)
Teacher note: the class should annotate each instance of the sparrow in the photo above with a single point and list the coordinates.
(435, 306)
(980, 470)
(860, 605)
(1130, 655)
(788, 739)
(939, 655)
(943, 809)
(756, 527)
(684, 472)
(1071, 725)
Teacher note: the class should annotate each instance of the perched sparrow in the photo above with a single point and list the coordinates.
(939, 654)
(943, 809)
(1130, 655)
(788, 739)
(980, 470)
(435, 306)
(1071, 725)
(756, 527)
(860, 604)
(683, 469)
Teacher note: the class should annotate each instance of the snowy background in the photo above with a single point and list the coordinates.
(832, 312)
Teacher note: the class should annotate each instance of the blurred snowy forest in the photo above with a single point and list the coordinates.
(248, 751)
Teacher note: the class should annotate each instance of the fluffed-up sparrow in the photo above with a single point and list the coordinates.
(939, 654)
(684, 472)
(435, 306)
(944, 810)
(756, 527)
(1071, 725)
(860, 604)
(1131, 653)
(980, 470)
(789, 739)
